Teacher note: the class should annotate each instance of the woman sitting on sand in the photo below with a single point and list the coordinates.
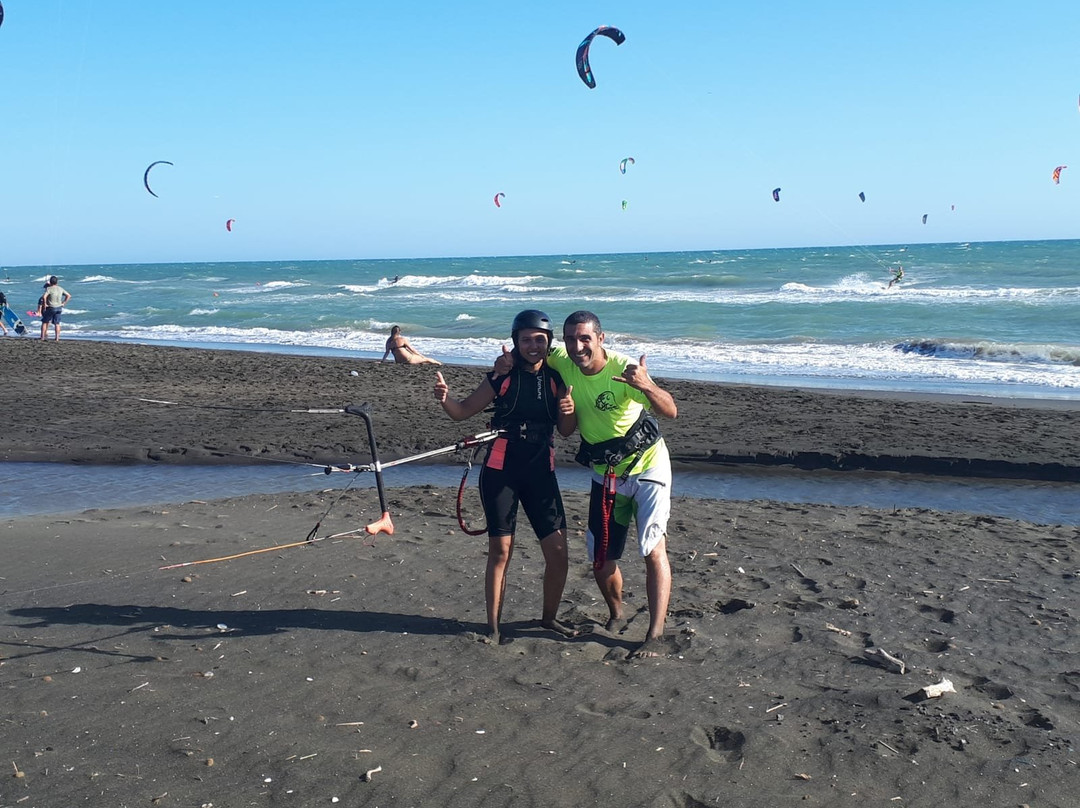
(530, 401)
(404, 353)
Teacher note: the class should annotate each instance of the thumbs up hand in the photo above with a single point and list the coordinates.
(442, 389)
(505, 363)
(566, 402)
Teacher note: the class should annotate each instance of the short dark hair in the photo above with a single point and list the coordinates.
(54, 280)
(582, 316)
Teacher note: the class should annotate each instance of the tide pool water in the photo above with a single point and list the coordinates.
(996, 319)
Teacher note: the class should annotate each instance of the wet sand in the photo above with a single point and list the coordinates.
(282, 678)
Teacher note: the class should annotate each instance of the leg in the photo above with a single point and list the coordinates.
(556, 565)
(609, 580)
(653, 504)
(500, 550)
(658, 586)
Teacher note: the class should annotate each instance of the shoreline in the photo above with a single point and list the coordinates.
(234, 407)
(1020, 395)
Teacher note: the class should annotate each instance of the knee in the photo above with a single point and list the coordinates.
(499, 548)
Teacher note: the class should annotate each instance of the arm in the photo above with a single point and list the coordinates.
(64, 300)
(386, 353)
(637, 376)
(460, 410)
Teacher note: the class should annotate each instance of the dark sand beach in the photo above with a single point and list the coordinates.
(284, 678)
(232, 405)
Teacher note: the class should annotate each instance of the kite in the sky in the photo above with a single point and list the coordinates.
(624, 204)
(582, 58)
(924, 217)
(776, 195)
(1, 13)
(862, 196)
(623, 163)
(1056, 176)
(228, 224)
(498, 199)
(146, 174)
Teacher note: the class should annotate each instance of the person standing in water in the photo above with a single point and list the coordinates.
(530, 402)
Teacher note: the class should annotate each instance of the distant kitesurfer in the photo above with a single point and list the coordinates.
(898, 274)
(404, 353)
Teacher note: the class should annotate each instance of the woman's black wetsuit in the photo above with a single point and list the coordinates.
(520, 465)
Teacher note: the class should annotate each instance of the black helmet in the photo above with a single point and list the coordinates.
(532, 318)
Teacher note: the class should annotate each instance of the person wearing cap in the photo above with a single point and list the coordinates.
(52, 306)
(530, 402)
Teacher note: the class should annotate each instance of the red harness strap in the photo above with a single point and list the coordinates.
(460, 496)
(607, 508)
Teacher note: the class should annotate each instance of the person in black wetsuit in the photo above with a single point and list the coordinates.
(530, 401)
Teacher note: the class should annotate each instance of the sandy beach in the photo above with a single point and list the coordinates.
(232, 406)
(348, 671)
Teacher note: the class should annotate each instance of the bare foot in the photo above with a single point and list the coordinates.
(490, 638)
(615, 625)
(650, 649)
(559, 628)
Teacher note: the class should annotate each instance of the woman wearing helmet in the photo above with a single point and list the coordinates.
(530, 401)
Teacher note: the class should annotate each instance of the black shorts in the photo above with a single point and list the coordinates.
(51, 315)
(532, 485)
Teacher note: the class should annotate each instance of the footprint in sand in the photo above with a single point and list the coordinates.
(720, 743)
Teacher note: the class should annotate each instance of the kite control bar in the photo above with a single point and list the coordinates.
(464, 443)
(385, 524)
(382, 525)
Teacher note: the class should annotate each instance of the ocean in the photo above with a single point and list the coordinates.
(999, 319)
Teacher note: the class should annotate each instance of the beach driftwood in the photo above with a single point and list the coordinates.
(885, 659)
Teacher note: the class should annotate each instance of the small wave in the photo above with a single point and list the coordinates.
(194, 312)
(464, 317)
(283, 284)
(98, 279)
(993, 351)
(474, 280)
(359, 289)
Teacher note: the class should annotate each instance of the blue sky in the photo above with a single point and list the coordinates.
(367, 130)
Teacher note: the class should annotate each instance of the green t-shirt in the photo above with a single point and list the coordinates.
(605, 408)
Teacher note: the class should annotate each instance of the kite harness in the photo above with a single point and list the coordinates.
(612, 453)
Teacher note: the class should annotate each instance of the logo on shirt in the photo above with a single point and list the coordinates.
(605, 402)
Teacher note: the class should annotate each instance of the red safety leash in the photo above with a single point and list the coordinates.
(607, 508)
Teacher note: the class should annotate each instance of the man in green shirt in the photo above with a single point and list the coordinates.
(630, 462)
